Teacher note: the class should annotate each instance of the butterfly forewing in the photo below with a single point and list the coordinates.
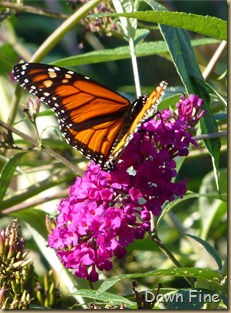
(89, 114)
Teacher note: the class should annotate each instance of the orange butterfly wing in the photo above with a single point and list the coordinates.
(90, 115)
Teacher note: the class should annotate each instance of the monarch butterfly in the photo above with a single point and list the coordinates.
(95, 120)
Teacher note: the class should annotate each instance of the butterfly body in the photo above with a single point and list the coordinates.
(93, 119)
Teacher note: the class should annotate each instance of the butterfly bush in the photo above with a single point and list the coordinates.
(105, 212)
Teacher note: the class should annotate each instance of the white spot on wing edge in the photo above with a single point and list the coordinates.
(56, 68)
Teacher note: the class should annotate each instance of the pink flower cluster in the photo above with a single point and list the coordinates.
(105, 212)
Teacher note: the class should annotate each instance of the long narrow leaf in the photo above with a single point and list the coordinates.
(8, 172)
(209, 248)
(213, 277)
(121, 53)
(205, 25)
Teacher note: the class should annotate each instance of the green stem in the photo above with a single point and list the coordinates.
(135, 67)
(211, 135)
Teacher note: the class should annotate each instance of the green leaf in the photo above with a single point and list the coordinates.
(106, 297)
(209, 248)
(141, 33)
(205, 25)
(214, 278)
(8, 173)
(123, 52)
